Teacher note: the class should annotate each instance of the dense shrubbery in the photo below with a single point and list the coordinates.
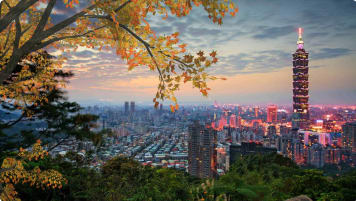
(255, 177)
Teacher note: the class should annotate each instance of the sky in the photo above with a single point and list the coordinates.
(255, 55)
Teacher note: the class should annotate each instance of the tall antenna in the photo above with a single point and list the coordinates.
(300, 41)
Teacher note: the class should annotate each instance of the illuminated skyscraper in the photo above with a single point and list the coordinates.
(239, 121)
(300, 86)
(272, 114)
(256, 109)
(201, 151)
(349, 136)
(233, 121)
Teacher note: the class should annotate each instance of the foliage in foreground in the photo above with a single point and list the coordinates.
(17, 171)
(27, 26)
(252, 178)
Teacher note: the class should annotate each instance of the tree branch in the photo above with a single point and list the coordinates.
(59, 143)
(15, 12)
(176, 59)
(5, 52)
(50, 41)
(122, 5)
(24, 31)
(7, 39)
(11, 123)
(61, 25)
(5, 46)
(98, 16)
(44, 18)
(18, 34)
(8, 5)
(34, 43)
(147, 46)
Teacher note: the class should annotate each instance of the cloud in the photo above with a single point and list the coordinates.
(254, 62)
(273, 32)
(328, 53)
(316, 35)
(258, 41)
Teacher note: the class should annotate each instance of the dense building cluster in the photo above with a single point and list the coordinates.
(206, 140)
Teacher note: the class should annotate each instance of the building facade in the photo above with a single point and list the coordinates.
(126, 107)
(201, 151)
(272, 114)
(132, 107)
(349, 136)
(300, 86)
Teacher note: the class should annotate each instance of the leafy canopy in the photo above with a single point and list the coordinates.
(12, 172)
(26, 27)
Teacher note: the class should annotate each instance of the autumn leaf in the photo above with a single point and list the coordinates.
(172, 108)
(122, 25)
(213, 54)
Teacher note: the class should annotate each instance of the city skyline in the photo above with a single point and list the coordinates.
(255, 51)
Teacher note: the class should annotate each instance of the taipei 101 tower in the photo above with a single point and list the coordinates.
(300, 86)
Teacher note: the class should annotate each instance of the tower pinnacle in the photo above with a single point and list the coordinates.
(300, 41)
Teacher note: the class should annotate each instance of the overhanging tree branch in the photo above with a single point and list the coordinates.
(50, 41)
(35, 43)
(122, 5)
(148, 48)
(9, 124)
(63, 24)
(5, 45)
(7, 4)
(44, 18)
(15, 12)
(18, 34)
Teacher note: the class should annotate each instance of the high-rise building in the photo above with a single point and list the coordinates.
(239, 110)
(272, 114)
(349, 136)
(201, 151)
(300, 86)
(256, 109)
(132, 107)
(271, 131)
(284, 130)
(316, 156)
(126, 107)
(233, 121)
(239, 121)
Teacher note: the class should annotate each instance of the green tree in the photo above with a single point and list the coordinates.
(60, 118)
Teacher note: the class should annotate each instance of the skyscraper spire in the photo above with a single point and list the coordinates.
(300, 41)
